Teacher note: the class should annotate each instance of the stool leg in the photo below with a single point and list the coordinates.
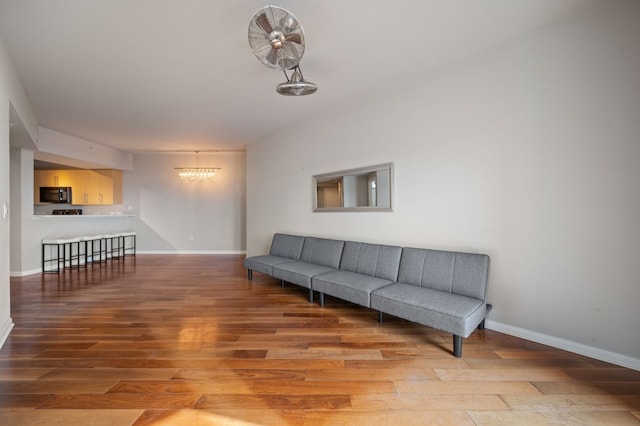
(103, 240)
(115, 247)
(77, 256)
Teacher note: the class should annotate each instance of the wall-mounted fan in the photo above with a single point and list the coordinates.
(277, 39)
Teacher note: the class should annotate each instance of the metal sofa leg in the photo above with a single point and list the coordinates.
(310, 295)
(322, 299)
(282, 283)
(249, 274)
(457, 346)
(380, 316)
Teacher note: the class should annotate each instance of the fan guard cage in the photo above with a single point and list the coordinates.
(276, 38)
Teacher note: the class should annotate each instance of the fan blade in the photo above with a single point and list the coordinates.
(289, 56)
(293, 37)
(263, 22)
(272, 57)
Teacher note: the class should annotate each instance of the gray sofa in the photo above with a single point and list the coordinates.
(319, 256)
(440, 289)
(284, 248)
(363, 269)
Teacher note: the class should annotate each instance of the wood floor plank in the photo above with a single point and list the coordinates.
(142, 374)
(10, 374)
(427, 402)
(466, 387)
(573, 402)
(385, 418)
(604, 375)
(280, 402)
(556, 363)
(411, 363)
(324, 388)
(510, 418)
(358, 374)
(241, 374)
(373, 344)
(93, 354)
(215, 345)
(58, 386)
(93, 417)
(277, 339)
(226, 417)
(541, 353)
(208, 354)
(528, 374)
(184, 387)
(120, 401)
(172, 340)
(588, 388)
(324, 354)
(17, 400)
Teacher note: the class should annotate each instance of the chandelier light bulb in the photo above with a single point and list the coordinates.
(196, 174)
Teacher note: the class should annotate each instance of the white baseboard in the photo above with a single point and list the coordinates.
(19, 274)
(4, 330)
(567, 345)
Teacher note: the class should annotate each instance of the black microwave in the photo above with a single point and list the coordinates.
(55, 194)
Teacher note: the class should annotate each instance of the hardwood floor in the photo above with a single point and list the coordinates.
(188, 340)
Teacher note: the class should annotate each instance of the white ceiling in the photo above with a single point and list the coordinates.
(142, 75)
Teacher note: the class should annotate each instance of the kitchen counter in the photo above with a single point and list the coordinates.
(79, 216)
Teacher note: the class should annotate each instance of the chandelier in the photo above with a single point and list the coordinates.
(197, 174)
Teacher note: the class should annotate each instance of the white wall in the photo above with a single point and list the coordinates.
(178, 217)
(76, 149)
(12, 99)
(21, 177)
(527, 152)
(5, 315)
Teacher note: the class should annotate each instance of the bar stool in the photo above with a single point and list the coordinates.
(113, 243)
(129, 236)
(80, 252)
(58, 245)
(90, 248)
(61, 245)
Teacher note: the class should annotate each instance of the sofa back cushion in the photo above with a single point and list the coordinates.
(322, 251)
(371, 259)
(459, 273)
(285, 245)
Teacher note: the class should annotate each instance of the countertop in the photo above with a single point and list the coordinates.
(79, 216)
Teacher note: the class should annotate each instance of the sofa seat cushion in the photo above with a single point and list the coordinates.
(265, 263)
(453, 313)
(349, 286)
(299, 273)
